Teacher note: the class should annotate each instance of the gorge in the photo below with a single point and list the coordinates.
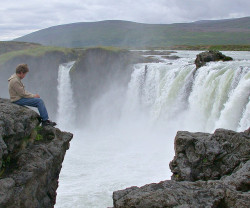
(127, 113)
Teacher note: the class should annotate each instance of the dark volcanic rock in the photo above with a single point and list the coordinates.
(171, 57)
(223, 155)
(30, 158)
(201, 156)
(150, 59)
(204, 57)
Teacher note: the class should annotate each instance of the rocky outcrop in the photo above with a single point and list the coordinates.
(202, 156)
(204, 57)
(30, 158)
(209, 170)
(171, 57)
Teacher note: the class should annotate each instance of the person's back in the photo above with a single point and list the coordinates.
(19, 96)
(16, 89)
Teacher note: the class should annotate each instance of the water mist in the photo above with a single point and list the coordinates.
(130, 134)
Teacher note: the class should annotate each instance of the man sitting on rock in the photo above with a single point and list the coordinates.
(19, 96)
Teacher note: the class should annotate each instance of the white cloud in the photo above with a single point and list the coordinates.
(19, 17)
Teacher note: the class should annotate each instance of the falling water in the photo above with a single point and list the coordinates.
(159, 100)
(66, 105)
(181, 97)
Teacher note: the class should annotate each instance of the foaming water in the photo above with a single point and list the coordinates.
(99, 163)
(129, 140)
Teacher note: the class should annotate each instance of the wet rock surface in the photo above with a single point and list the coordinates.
(171, 57)
(204, 57)
(30, 158)
(209, 170)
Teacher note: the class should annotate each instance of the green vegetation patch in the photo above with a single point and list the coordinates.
(34, 52)
(38, 135)
(107, 48)
(8, 46)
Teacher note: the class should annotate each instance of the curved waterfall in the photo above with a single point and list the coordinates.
(178, 95)
(171, 94)
(128, 139)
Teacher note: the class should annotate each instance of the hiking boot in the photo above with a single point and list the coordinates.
(48, 123)
(39, 119)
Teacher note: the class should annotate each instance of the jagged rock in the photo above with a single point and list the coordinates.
(204, 57)
(230, 190)
(150, 59)
(31, 158)
(201, 156)
(171, 57)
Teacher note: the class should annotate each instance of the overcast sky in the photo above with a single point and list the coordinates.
(21, 17)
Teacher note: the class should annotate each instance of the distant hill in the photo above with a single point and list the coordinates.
(131, 34)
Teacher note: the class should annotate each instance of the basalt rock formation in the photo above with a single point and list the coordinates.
(30, 158)
(204, 57)
(209, 170)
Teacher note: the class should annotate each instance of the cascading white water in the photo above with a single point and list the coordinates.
(180, 97)
(245, 120)
(136, 145)
(66, 105)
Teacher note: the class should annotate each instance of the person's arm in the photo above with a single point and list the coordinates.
(19, 88)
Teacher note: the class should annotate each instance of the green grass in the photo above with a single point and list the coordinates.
(33, 52)
(108, 48)
(8, 46)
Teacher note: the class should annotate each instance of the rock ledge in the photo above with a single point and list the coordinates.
(30, 158)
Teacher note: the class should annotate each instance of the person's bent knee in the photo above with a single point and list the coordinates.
(39, 100)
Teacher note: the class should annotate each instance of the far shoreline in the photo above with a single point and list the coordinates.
(199, 47)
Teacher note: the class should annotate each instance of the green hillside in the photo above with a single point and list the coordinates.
(131, 34)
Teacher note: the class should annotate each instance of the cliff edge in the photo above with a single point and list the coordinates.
(30, 158)
(209, 170)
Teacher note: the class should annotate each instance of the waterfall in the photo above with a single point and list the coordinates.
(130, 128)
(66, 105)
(177, 96)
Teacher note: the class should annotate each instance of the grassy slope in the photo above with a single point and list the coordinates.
(8, 46)
(33, 52)
(130, 34)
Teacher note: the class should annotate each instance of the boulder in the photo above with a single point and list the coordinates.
(171, 57)
(204, 57)
(209, 170)
(30, 158)
(201, 156)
